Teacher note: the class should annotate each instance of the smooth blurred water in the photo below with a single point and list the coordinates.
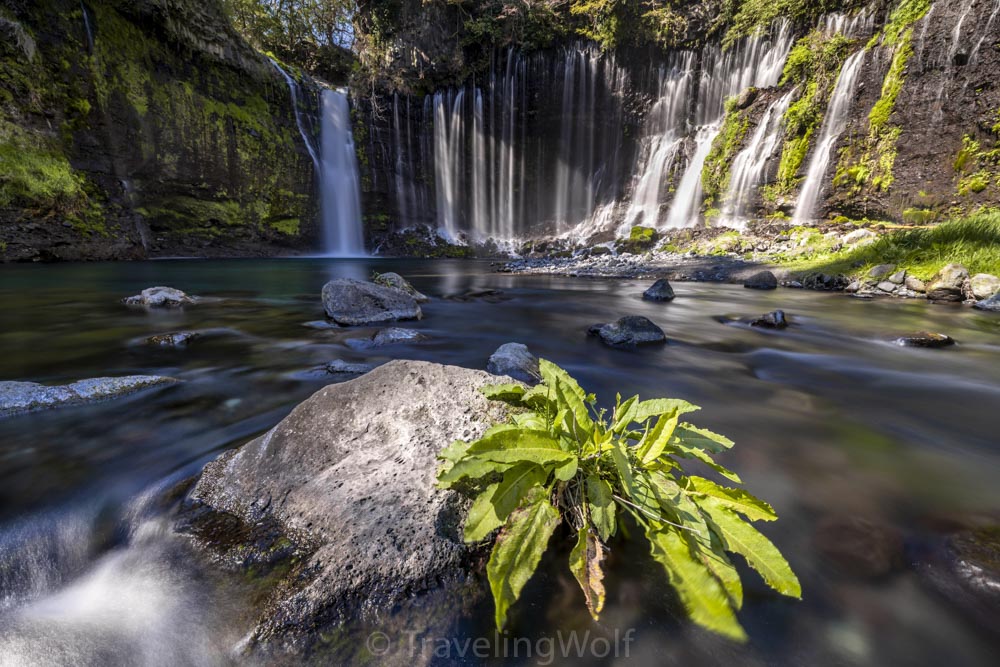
(830, 420)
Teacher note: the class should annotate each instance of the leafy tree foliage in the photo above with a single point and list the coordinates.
(559, 460)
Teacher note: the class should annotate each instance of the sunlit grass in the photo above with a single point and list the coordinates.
(973, 241)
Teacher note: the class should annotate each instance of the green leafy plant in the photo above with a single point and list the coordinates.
(560, 459)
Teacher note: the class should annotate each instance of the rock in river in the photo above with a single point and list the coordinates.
(925, 339)
(515, 360)
(660, 291)
(948, 283)
(628, 332)
(390, 336)
(991, 304)
(159, 297)
(966, 573)
(354, 302)
(773, 320)
(761, 280)
(17, 397)
(399, 282)
(172, 339)
(348, 477)
(984, 285)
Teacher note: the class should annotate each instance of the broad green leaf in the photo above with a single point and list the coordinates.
(539, 397)
(703, 439)
(619, 453)
(567, 471)
(682, 449)
(531, 421)
(625, 414)
(455, 451)
(520, 445)
(712, 554)
(656, 440)
(502, 500)
(508, 393)
(601, 506)
(569, 394)
(517, 552)
(662, 406)
(482, 519)
(468, 468)
(699, 591)
(740, 537)
(585, 564)
(739, 500)
(675, 505)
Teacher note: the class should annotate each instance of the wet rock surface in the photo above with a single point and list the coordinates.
(773, 320)
(354, 302)
(18, 397)
(347, 481)
(172, 339)
(925, 339)
(160, 297)
(397, 281)
(991, 304)
(948, 284)
(628, 332)
(764, 280)
(859, 547)
(515, 360)
(659, 291)
(389, 336)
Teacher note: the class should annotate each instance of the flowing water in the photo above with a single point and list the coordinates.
(340, 193)
(293, 91)
(834, 125)
(829, 419)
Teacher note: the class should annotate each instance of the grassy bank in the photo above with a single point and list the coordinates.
(973, 241)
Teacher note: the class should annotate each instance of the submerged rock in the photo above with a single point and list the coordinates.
(859, 547)
(353, 302)
(761, 280)
(348, 479)
(321, 325)
(628, 332)
(515, 360)
(983, 286)
(172, 339)
(399, 282)
(159, 297)
(773, 320)
(948, 283)
(966, 573)
(18, 397)
(659, 291)
(390, 336)
(925, 339)
(341, 367)
(991, 304)
(486, 293)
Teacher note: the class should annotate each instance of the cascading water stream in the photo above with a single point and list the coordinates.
(834, 125)
(750, 165)
(340, 192)
(293, 89)
(87, 28)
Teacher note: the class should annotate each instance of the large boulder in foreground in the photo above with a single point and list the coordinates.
(18, 397)
(354, 302)
(348, 480)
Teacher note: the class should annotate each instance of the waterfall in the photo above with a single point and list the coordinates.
(87, 27)
(340, 192)
(756, 61)
(834, 124)
(987, 31)
(293, 89)
(749, 168)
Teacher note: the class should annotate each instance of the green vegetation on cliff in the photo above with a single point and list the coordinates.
(715, 173)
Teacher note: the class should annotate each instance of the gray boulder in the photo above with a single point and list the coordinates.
(948, 283)
(660, 291)
(915, 284)
(18, 397)
(353, 302)
(172, 339)
(628, 332)
(761, 280)
(983, 286)
(991, 304)
(346, 483)
(399, 282)
(881, 271)
(159, 297)
(515, 360)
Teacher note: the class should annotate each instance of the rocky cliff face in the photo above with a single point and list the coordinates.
(134, 129)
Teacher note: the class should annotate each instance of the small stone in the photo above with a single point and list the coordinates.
(172, 339)
(390, 336)
(159, 297)
(763, 280)
(859, 236)
(628, 332)
(984, 285)
(772, 320)
(853, 287)
(886, 286)
(321, 324)
(925, 339)
(898, 277)
(515, 360)
(882, 270)
(660, 291)
(795, 284)
(915, 284)
(341, 367)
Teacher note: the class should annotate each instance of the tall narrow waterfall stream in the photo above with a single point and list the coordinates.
(340, 195)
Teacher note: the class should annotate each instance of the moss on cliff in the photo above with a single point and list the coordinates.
(715, 173)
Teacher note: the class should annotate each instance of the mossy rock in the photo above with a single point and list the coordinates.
(639, 240)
